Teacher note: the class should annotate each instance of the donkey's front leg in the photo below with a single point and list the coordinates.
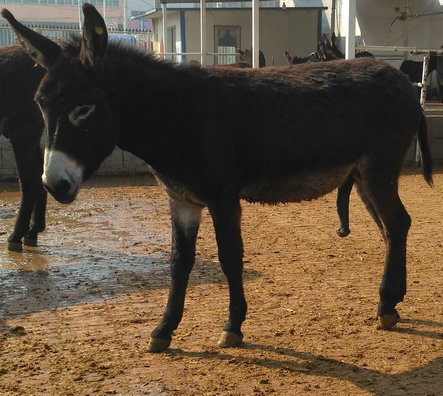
(227, 218)
(185, 223)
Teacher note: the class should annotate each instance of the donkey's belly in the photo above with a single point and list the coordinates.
(305, 185)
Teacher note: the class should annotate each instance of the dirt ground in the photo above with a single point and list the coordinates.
(77, 311)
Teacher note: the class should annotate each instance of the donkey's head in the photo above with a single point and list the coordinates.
(78, 119)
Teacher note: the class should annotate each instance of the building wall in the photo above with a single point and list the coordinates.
(295, 31)
(378, 23)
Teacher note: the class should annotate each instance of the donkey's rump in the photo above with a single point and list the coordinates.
(304, 128)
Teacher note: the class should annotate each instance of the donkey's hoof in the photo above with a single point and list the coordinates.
(30, 241)
(157, 345)
(343, 232)
(229, 339)
(14, 246)
(386, 322)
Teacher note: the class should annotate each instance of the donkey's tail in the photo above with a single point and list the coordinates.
(426, 158)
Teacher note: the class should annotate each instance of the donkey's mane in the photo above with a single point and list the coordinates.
(119, 51)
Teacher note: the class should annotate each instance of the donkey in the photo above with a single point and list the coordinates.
(327, 50)
(414, 70)
(246, 57)
(264, 135)
(297, 60)
(21, 122)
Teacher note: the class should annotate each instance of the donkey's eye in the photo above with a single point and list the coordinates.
(80, 113)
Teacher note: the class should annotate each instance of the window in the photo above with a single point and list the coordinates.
(227, 40)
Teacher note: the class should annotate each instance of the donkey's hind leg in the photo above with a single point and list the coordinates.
(383, 199)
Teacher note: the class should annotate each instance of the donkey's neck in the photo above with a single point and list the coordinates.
(151, 101)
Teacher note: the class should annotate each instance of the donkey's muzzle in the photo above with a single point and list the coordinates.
(63, 191)
(62, 175)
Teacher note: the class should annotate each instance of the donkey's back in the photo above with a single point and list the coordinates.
(315, 124)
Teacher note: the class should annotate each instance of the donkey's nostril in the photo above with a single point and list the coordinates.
(63, 191)
(63, 187)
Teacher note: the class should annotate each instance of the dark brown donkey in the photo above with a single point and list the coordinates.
(21, 122)
(265, 135)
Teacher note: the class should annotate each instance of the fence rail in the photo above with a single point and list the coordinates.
(64, 32)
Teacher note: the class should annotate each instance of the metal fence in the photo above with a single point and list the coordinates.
(142, 39)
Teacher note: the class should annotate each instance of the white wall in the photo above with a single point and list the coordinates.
(377, 24)
(295, 31)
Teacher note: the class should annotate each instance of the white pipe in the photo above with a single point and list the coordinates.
(350, 11)
(255, 33)
(203, 32)
(79, 14)
(125, 15)
(164, 25)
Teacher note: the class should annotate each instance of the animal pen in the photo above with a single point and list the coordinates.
(433, 110)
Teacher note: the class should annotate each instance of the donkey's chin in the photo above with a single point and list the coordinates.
(65, 199)
(63, 195)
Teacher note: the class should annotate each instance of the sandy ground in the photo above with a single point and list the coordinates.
(77, 311)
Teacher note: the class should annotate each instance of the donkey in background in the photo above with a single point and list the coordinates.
(246, 57)
(245, 60)
(327, 50)
(253, 134)
(414, 69)
(21, 122)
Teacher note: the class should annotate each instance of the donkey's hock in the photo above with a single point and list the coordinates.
(266, 135)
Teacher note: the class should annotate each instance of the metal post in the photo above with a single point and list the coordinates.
(333, 12)
(80, 14)
(350, 10)
(424, 88)
(125, 14)
(255, 33)
(424, 79)
(203, 32)
(164, 25)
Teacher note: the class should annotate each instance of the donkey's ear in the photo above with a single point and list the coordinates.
(288, 57)
(42, 49)
(95, 37)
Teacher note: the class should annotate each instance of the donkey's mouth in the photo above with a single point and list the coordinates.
(63, 192)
